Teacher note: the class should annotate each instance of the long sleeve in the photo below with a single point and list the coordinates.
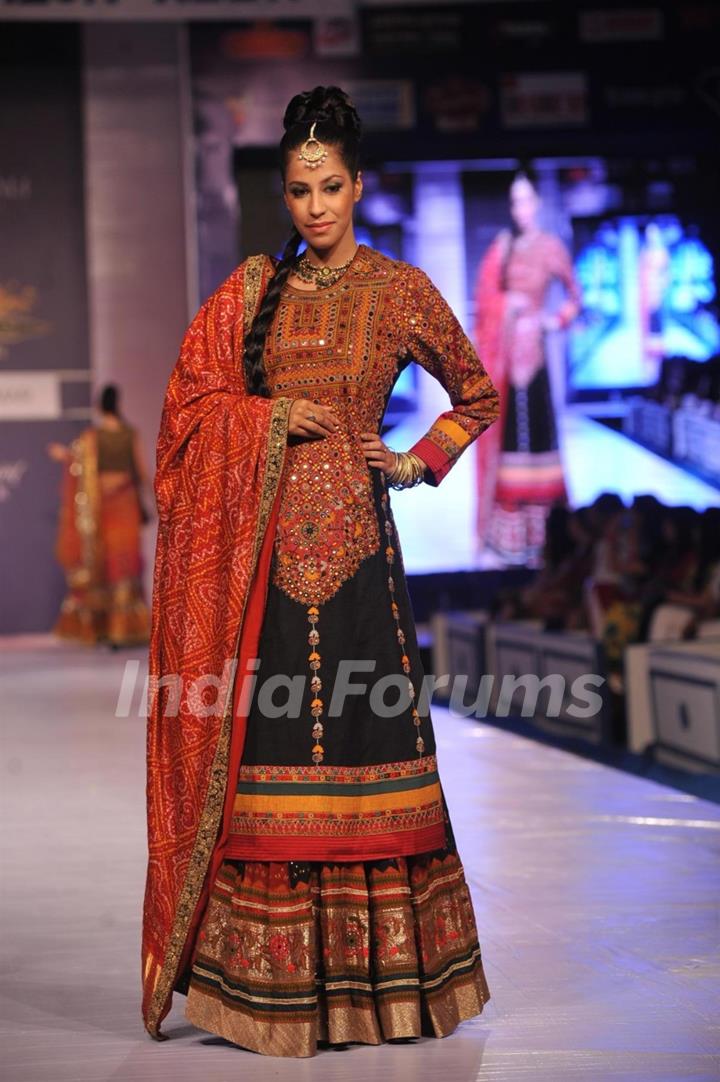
(561, 267)
(434, 339)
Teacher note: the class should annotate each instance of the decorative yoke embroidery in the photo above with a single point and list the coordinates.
(344, 347)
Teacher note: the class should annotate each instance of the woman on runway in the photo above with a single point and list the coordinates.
(520, 475)
(98, 539)
(303, 882)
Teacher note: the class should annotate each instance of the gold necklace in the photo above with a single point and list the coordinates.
(322, 276)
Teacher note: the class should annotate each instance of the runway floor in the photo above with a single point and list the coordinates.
(597, 896)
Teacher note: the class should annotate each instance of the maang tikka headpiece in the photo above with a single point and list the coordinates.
(312, 152)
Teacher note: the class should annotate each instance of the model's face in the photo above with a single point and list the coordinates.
(321, 200)
(524, 203)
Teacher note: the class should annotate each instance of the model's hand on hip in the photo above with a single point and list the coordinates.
(377, 454)
(308, 418)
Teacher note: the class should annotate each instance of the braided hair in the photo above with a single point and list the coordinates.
(338, 125)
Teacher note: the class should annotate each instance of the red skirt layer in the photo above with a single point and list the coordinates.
(108, 604)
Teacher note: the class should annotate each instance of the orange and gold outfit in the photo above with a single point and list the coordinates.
(98, 542)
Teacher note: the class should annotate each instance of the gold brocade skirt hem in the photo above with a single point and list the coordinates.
(289, 955)
(115, 614)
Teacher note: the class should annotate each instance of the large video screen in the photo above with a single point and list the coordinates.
(648, 288)
(574, 281)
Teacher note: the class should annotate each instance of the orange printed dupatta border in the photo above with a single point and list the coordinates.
(220, 455)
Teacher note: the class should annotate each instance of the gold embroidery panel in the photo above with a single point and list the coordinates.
(324, 348)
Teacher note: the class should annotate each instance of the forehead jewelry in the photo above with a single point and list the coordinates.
(312, 152)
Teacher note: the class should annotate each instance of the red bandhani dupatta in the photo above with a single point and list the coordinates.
(220, 456)
(489, 342)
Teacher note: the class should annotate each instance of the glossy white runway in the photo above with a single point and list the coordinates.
(597, 896)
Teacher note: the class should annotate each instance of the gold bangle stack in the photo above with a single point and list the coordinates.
(409, 470)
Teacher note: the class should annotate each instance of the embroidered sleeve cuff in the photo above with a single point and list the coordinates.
(437, 461)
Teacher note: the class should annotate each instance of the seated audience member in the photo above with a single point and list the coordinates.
(674, 569)
(555, 594)
(689, 597)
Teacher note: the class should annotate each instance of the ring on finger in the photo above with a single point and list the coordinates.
(312, 417)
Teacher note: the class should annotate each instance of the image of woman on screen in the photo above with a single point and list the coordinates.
(303, 881)
(99, 538)
(520, 473)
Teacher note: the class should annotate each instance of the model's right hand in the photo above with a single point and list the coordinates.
(311, 419)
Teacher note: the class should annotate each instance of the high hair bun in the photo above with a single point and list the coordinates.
(324, 104)
(525, 171)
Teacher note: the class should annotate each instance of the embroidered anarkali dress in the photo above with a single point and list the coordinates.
(520, 472)
(329, 900)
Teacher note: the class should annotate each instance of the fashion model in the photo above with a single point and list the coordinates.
(303, 886)
(520, 473)
(98, 539)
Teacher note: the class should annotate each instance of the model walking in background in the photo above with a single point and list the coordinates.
(520, 474)
(98, 540)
